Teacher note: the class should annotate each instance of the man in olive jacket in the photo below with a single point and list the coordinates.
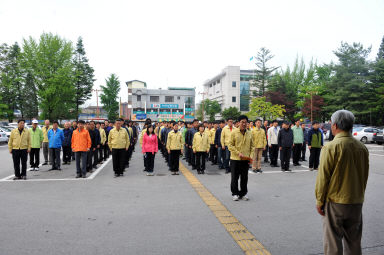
(340, 187)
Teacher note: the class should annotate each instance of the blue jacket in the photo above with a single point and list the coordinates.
(67, 137)
(55, 140)
(218, 137)
(305, 132)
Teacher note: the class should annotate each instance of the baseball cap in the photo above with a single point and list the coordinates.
(35, 121)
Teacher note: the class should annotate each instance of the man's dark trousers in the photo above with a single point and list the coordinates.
(303, 150)
(174, 157)
(296, 153)
(274, 153)
(67, 153)
(34, 157)
(239, 169)
(118, 160)
(20, 155)
(314, 157)
(200, 161)
(55, 157)
(101, 153)
(285, 157)
(81, 155)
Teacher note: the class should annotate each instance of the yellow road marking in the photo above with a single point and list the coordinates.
(245, 239)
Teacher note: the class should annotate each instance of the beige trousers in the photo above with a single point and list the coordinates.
(256, 164)
(342, 224)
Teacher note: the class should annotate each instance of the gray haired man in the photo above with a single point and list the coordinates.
(340, 187)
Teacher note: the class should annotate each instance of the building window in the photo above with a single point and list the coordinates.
(154, 99)
(138, 98)
(178, 98)
(233, 84)
(233, 99)
(168, 99)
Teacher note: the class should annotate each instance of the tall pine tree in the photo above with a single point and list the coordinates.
(84, 76)
(109, 96)
(263, 72)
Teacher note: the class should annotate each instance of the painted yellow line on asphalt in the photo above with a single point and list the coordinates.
(245, 239)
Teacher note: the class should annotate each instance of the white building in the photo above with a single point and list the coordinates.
(231, 87)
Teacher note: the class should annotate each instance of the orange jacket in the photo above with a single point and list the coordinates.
(81, 141)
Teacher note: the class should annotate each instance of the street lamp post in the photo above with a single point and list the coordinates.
(97, 101)
(202, 103)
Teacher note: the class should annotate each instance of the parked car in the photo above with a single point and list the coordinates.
(378, 137)
(3, 137)
(6, 130)
(364, 134)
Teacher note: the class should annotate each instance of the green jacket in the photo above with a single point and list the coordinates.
(298, 135)
(37, 137)
(343, 172)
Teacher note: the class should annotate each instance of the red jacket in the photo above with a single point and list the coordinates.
(149, 143)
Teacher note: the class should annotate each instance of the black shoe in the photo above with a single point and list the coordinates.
(203, 172)
(84, 176)
(304, 160)
(297, 164)
(78, 176)
(16, 178)
(23, 177)
(227, 172)
(51, 169)
(260, 171)
(283, 169)
(288, 170)
(58, 169)
(45, 164)
(193, 168)
(117, 175)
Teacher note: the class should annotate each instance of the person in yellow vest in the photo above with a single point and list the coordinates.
(19, 146)
(200, 148)
(213, 150)
(45, 129)
(103, 139)
(174, 146)
(225, 139)
(242, 149)
(260, 141)
(118, 142)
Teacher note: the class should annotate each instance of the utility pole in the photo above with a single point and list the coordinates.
(202, 103)
(311, 107)
(97, 102)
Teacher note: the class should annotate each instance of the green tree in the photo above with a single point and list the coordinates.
(377, 79)
(84, 76)
(232, 112)
(260, 108)
(109, 96)
(50, 63)
(29, 93)
(211, 108)
(263, 72)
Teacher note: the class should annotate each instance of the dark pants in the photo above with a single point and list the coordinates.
(227, 156)
(296, 153)
(67, 153)
(239, 169)
(303, 150)
(101, 153)
(186, 153)
(314, 157)
(274, 153)
(285, 157)
(265, 153)
(73, 155)
(213, 154)
(81, 155)
(174, 160)
(107, 152)
(92, 159)
(34, 157)
(150, 162)
(220, 156)
(200, 161)
(55, 157)
(192, 158)
(118, 156)
(20, 156)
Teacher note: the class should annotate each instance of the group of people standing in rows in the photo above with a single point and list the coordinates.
(89, 143)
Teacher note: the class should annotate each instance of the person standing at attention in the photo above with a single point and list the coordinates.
(118, 142)
(37, 138)
(46, 152)
(285, 141)
(81, 143)
(150, 148)
(260, 144)
(315, 143)
(340, 187)
(174, 147)
(19, 146)
(298, 139)
(55, 138)
(67, 151)
(200, 148)
(225, 139)
(273, 133)
(242, 148)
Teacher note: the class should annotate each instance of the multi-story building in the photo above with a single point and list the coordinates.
(230, 88)
(158, 104)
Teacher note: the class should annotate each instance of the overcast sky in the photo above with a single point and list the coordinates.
(183, 43)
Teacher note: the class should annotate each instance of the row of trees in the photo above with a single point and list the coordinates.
(315, 91)
(46, 78)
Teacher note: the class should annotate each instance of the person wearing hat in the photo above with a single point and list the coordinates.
(37, 138)
(19, 146)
